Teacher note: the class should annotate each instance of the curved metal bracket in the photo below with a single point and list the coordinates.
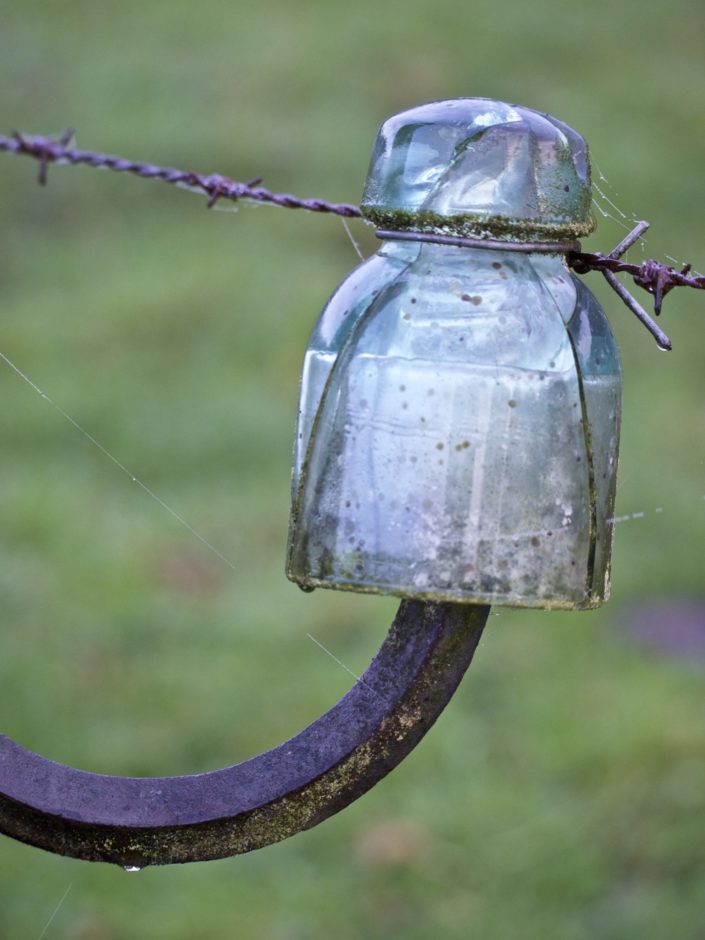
(138, 821)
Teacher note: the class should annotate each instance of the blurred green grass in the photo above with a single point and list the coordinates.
(562, 792)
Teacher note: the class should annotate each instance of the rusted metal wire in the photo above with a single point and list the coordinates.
(214, 185)
(654, 276)
(657, 278)
(621, 291)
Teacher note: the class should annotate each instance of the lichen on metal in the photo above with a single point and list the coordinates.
(136, 822)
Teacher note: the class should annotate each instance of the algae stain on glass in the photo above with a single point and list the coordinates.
(459, 416)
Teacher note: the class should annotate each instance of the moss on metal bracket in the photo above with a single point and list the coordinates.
(136, 822)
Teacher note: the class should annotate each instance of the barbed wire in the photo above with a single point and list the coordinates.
(214, 185)
(655, 277)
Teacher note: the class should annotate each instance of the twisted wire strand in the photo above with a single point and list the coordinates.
(214, 185)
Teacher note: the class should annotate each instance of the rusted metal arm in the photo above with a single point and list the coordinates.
(134, 822)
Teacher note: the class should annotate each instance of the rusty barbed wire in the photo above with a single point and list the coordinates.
(655, 277)
(214, 185)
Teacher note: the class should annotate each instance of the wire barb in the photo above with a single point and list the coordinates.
(636, 308)
(653, 276)
(630, 239)
(631, 302)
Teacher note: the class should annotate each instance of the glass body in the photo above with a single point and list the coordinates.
(351, 299)
(458, 432)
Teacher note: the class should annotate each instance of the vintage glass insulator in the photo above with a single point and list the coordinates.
(460, 404)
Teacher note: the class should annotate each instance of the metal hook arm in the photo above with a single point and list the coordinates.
(133, 821)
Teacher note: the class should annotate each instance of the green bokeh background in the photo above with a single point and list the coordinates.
(562, 794)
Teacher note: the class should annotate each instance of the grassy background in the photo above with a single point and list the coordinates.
(561, 795)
